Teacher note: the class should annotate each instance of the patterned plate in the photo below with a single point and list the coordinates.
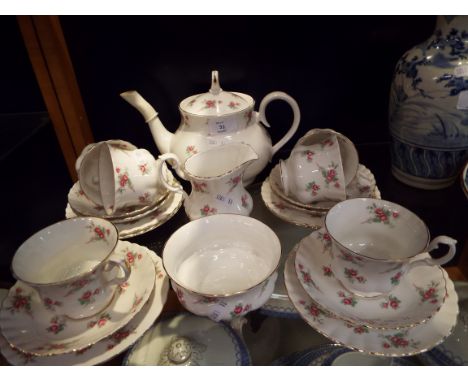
(111, 345)
(389, 343)
(416, 297)
(32, 328)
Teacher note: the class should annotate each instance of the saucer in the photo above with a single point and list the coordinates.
(390, 343)
(453, 352)
(81, 205)
(166, 210)
(112, 345)
(417, 297)
(209, 343)
(31, 327)
(362, 186)
(288, 212)
(301, 216)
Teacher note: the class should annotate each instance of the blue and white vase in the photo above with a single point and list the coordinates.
(428, 113)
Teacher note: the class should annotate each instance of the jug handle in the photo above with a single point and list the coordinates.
(297, 116)
(175, 165)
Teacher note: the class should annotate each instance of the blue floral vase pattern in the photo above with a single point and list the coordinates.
(428, 123)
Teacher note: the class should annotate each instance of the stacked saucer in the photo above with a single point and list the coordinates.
(119, 182)
(311, 215)
(414, 317)
(130, 222)
(31, 334)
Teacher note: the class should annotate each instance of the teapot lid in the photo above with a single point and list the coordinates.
(216, 102)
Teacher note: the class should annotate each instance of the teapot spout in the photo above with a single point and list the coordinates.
(162, 137)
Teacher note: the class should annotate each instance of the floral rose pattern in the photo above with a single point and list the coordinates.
(330, 175)
(51, 304)
(309, 155)
(391, 302)
(245, 201)
(191, 150)
(395, 280)
(314, 311)
(360, 329)
(144, 169)
(101, 321)
(356, 260)
(398, 340)
(325, 238)
(305, 276)
(207, 300)
(207, 210)
(143, 199)
(123, 180)
(347, 299)
(327, 271)
(353, 275)
(429, 294)
(233, 105)
(77, 285)
(88, 297)
(98, 232)
(326, 143)
(240, 309)
(132, 257)
(117, 337)
(20, 303)
(313, 187)
(233, 182)
(200, 187)
(57, 324)
(381, 215)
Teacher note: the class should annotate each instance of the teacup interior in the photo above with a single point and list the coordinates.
(219, 160)
(221, 254)
(64, 250)
(377, 229)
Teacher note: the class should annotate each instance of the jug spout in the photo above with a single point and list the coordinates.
(162, 137)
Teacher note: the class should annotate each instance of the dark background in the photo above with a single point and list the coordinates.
(338, 68)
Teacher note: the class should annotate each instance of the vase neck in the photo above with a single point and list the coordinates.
(446, 23)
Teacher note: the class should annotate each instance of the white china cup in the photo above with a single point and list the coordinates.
(67, 264)
(116, 175)
(374, 243)
(319, 168)
(222, 266)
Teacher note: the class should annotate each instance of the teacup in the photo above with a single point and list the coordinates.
(222, 266)
(315, 169)
(67, 264)
(116, 175)
(374, 243)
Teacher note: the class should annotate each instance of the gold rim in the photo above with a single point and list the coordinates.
(225, 294)
(66, 281)
(404, 259)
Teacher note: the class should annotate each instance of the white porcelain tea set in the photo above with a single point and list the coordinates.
(362, 278)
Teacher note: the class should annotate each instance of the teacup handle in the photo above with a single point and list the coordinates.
(433, 245)
(163, 158)
(111, 264)
(295, 108)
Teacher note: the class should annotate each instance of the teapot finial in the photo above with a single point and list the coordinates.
(215, 88)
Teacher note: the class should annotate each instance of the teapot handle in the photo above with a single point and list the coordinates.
(297, 116)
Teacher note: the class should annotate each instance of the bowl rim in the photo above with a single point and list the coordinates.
(76, 277)
(223, 216)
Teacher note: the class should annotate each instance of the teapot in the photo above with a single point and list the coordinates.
(216, 118)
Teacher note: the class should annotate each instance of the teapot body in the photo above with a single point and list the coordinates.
(198, 134)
